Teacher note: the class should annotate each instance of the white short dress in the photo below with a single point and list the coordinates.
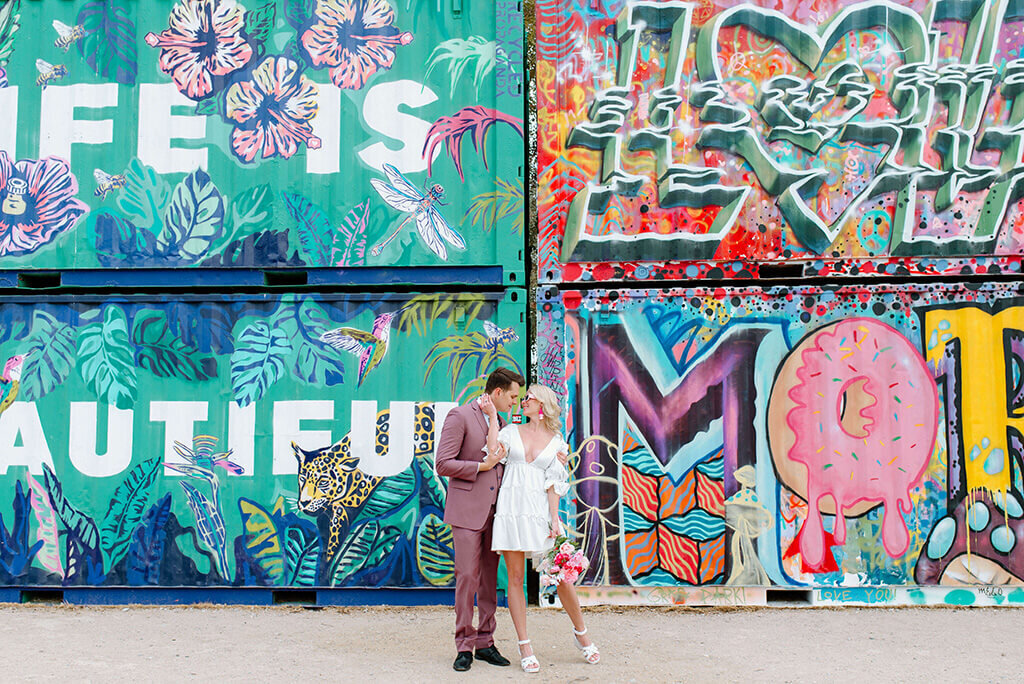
(522, 520)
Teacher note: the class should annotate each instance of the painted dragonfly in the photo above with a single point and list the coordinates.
(405, 197)
(49, 73)
(66, 35)
(105, 182)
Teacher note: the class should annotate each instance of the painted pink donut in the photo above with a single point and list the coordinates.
(864, 419)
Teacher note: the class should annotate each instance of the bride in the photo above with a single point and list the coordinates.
(526, 514)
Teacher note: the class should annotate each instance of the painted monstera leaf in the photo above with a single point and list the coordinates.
(314, 228)
(125, 511)
(250, 211)
(193, 220)
(259, 22)
(144, 196)
(9, 24)
(302, 551)
(435, 551)
(366, 547)
(105, 359)
(51, 356)
(109, 42)
(263, 540)
(163, 354)
(316, 363)
(80, 527)
(148, 541)
(259, 360)
(392, 496)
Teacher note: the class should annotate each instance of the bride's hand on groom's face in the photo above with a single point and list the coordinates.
(488, 406)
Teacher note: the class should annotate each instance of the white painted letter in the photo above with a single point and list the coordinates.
(82, 440)
(58, 128)
(327, 127)
(242, 435)
(441, 410)
(157, 126)
(380, 112)
(287, 423)
(22, 418)
(9, 132)
(180, 418)
(363, 444)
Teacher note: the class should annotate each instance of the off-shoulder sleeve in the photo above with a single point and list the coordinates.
(555, 474)
(505, 437)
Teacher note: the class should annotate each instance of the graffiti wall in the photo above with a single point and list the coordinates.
(712, 139)
(274, 441)
(845, 436)
(261, 133)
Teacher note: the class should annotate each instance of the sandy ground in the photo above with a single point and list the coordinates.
(281, 644)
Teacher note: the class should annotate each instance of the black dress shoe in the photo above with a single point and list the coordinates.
(463, 661)
(491, 655)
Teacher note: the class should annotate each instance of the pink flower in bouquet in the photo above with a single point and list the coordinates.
(561, 559)
(566, 548)
(545, 580)
(571, 576)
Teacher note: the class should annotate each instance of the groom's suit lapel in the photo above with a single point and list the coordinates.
(480, 420)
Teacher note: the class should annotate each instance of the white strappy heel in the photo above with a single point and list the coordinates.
(529, 663)
(590, 653)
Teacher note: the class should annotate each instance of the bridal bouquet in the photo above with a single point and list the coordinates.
(563, 563)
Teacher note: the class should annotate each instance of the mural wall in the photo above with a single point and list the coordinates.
(710, 139)
(237, 440)
(261, 133)
(861, 435)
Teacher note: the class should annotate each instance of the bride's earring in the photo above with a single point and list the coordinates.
(540, 413)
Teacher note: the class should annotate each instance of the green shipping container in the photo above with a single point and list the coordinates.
(352, 134)
(259, 441)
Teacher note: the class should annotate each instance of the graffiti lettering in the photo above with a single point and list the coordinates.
(935, 149)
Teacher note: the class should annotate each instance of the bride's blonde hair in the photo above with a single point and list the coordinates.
(549, 406)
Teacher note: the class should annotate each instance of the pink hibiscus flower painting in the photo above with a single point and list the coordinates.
(354, 38)
(203, 41)
(272, 111)
(37, 203)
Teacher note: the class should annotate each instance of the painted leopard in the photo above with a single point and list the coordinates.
(333, 489)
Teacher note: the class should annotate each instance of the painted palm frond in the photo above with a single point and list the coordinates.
(488, 208)
(422, 310)
(459, 56)
(449, 131)
(472, 350)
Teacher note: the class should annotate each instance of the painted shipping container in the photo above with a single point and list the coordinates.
(354, 134)
(260, 441)
(718, 139)
(854, 437)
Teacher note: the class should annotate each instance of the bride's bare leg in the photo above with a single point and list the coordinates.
(515, 565)
(571, 604)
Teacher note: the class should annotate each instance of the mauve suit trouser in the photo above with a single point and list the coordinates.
(476, 574)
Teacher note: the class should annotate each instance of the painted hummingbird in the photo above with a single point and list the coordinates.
(370, 347)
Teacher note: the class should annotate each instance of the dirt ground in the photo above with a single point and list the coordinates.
(281, 644)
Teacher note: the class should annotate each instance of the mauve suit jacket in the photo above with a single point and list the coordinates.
(460, 450)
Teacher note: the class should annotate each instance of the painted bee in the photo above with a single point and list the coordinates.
(48, 73)
(105, 182)
(66, 35)
(498, 336)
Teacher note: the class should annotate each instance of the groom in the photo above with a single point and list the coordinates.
(473, 485)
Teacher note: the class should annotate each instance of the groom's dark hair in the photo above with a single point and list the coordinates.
(503, 378)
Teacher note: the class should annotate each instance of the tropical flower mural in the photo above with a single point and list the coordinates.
(272, 111)
(203, 41)
(354, 38)
(38, 202)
